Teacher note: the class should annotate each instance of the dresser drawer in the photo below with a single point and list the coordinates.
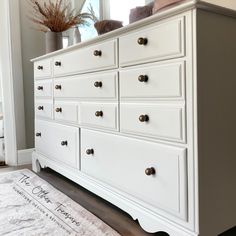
(101, 85)
(162, 41)
(157, 121)
(165, 80)
(97, 57)
(66, 111)
(165, 189)
(58, 142)
(43, 88)
(42, 69)
(99, 115)
(44, 108)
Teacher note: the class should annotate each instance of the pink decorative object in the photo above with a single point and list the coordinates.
(159, 4)
(139, 13)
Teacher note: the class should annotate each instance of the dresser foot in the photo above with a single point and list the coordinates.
(36, 167)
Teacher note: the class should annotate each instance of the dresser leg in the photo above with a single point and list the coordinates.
(36, 167)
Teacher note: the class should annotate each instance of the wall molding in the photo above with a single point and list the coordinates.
(17, 72)
(12, 80)
(25, 157)
(7, 85)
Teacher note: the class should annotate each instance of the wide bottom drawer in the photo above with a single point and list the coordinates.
(151, 172)
(58, 142)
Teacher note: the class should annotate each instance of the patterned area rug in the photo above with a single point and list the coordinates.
(30, 206)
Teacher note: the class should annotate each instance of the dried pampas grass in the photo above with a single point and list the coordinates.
(56, 15)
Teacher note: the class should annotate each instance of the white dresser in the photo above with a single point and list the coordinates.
(145, 118)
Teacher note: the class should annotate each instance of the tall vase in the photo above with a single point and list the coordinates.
(53, 41)
(76, 35)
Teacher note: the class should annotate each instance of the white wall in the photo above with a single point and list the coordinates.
(77, 4)
(0, 95)
(11, 78)
(33, 45)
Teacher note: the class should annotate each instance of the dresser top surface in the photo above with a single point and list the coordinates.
(162, 14)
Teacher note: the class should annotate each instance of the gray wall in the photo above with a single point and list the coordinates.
(223, 3)
(32, 46)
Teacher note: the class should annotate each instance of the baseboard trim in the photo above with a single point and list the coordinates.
(2, 163)
(25, 157)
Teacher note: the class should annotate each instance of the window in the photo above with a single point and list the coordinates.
(119, 11)
(88, 31)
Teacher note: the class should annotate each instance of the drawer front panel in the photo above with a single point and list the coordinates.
(43, 88)
(98, 115)
(156, 81)
(66, 111)
(44, 108)
(157, 121)
(165, 189)
(162, 42)
(88, 86)
(49, 138)
(83, 60)
(42, 69)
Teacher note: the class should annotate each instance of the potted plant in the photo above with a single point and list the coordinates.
(54, 17)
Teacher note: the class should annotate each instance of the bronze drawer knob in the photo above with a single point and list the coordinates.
(58, 109)
(40, 88)
(144, 118)
(142, 41)
(143, 78)
(58, 87)
(97, 53)
(40, 67)
(38, 134)
(64, 143)
(98, 84)
(90, 151)
(99, 113)
(40, 108)
(150, 171)
(57, 63)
